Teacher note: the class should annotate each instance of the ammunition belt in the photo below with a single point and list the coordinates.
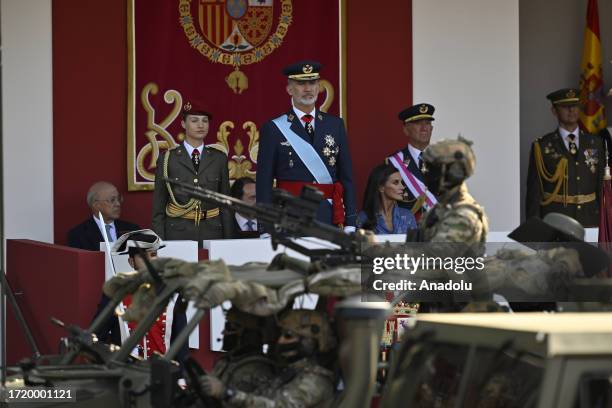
(576, 199)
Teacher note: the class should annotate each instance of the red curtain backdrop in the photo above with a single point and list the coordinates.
(379, 81)
(90, 88)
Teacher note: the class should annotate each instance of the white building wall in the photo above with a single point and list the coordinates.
(27, 121)
(466, 63)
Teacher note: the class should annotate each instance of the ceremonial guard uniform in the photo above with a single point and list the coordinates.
(176, 216)
(566, 170)
(307, 148)
(138, 244)
(409, 159)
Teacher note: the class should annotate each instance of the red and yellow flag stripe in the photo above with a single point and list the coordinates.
(593, 116)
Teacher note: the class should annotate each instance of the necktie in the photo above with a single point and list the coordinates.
(195, 159)
(108, 232)
(572, 144)
(420, 162)
(308, 125)
(250, 225)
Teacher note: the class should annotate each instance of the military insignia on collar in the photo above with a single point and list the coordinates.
(423, 109)
(320, 117)
(290, 117)
(329, 140)
(591, 159)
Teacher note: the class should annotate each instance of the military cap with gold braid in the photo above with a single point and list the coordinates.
(303, 70)
(193, 107)
(565, 96)
(421, 111)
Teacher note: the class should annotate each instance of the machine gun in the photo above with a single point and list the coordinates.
(289, 217)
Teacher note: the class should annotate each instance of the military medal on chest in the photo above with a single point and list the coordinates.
(331, 150)
(549, 150)
(591, 160)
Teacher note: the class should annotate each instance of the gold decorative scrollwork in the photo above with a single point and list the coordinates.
(328, 88)
(154, 129)
(223, 135)
(253, 139)
(238, 163)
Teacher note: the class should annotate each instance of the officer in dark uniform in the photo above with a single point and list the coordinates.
(306, 146)
(417, 125)
(566, 166)
(176, 216)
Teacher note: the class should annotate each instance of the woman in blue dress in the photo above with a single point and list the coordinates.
(381, 212)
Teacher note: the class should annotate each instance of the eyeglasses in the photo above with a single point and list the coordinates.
(113, 200)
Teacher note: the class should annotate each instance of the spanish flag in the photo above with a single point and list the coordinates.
(592, 117)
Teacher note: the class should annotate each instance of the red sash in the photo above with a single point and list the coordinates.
(335, 192)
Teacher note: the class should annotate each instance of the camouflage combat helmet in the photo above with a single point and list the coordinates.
(455, 155)
(309, 324)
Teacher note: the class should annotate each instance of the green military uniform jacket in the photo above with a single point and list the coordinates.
(579, 196)
(212, 174)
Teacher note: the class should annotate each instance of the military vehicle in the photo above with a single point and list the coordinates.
(540, 360)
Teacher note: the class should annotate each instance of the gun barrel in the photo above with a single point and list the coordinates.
(289, 215)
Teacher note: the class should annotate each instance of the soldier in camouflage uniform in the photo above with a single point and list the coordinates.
(305, 336)
(456, 217)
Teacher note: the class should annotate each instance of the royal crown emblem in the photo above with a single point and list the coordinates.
(187, 107)
(423, 109)
(235, 32)
(571, 94)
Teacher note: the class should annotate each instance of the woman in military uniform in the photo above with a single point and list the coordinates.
(176, 216)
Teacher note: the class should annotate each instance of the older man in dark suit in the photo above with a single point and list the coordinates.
(306, 146)
(102, 197)
(176, 216)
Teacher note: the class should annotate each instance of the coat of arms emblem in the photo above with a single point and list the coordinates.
(235, 32)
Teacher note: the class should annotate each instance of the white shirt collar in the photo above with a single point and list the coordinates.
(415, 153)
(190, 148)
(101, 227)
(565, 133)
(299, 114)
(242, 222)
